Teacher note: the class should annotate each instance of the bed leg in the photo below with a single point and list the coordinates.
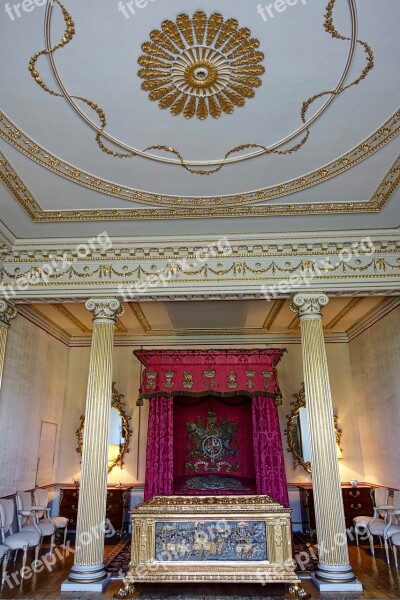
(128, 588)
(296, 591)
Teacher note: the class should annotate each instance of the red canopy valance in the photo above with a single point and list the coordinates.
(170, 373)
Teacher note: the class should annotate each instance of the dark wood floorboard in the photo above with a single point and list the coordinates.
(380, 582)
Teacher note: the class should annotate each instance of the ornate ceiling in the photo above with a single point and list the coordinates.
(143, 111)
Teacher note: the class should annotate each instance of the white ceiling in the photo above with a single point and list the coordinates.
(100, 63)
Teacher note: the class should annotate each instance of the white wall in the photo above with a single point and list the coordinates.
(375, 360)
(32, 391)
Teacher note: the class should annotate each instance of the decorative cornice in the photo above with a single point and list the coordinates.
(256, 267)
(168, 248)
(192, 206)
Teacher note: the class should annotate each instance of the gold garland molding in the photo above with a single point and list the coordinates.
(243, 271)
(170, 41)
(192, 206)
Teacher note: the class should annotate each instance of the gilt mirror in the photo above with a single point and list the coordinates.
(297, 432)
(119, 431)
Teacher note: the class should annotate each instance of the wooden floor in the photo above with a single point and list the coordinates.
(378, 580)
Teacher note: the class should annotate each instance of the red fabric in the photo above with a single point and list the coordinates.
(160, 453)
(239, 412)
(225, 372)
(268, 451)
(202, 373)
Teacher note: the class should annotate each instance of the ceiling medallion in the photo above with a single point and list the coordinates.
(201, 66)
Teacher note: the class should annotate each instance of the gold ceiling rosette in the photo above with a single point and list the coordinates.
(201, 65)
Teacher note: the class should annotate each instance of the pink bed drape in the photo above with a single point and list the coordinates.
(268, 450)
(223, 374)
(160, 450)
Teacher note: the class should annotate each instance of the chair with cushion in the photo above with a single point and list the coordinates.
(395, 539)
(385, 527)
(16, 541)
(4, 553)
(28, 518)
(41, 499)
(360, 523)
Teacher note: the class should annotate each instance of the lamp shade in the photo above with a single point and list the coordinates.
(113, 453)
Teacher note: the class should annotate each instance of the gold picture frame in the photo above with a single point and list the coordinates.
(293, 430)
(119, 405)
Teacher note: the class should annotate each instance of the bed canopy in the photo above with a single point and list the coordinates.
(213, 422)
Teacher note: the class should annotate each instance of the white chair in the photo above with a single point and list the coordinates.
(360, 523)
(4, 554)
(41, 499)
(28, 518)
(15, 541)
(385, 528)
(395, 539)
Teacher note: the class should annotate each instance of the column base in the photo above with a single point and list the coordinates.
(99, 586)
(336, 578)
(90, 578)
(324, 586)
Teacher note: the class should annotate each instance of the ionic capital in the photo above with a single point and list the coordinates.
(104, 310)
(7, 312)
(309, 304)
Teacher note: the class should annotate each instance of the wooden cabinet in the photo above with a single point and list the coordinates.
(118, 504)
(356, 501)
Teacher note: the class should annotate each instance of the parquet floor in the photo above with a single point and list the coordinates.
(379, 582)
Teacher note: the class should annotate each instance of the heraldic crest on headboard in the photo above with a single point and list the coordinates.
(212, 445)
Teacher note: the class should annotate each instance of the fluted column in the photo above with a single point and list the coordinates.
(7, 312)
(88, 571)
(334, 570)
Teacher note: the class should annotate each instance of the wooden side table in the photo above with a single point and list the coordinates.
(356, 501)
(116, 508)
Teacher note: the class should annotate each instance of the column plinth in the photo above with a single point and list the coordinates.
(7, 312)
(87, 573)
(334, 571)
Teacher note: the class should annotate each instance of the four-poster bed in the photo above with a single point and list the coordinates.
(216, 502)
